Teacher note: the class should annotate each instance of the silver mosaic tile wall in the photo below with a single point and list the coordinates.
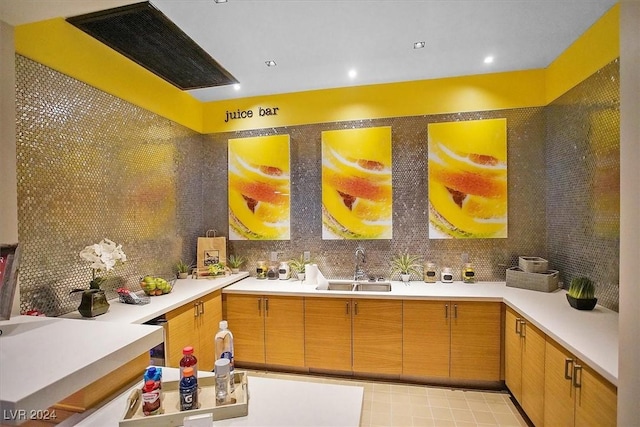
(583, 183)
(335, 258)
(91, 166)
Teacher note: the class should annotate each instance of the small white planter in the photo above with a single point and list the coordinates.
(301, 277)
(405, 277)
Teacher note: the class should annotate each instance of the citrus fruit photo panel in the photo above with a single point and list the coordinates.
(259, 188)
(467, 171)
(356, 184)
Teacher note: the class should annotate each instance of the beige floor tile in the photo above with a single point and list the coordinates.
(484, 418)
(463, 415)
(436, 391)
(366, 405)
(479, 405)
(401, 420)
(494, 397)
(438, 402)
(421, 411)
(474, 395)
(442, 414)
(365, 419)
(399, 388)
(455, 394)
(444, 423)
(400, 398)
(417, 399)
(500, 408)
(381, 387)
(466, 424)
(423, 422)
(458, 403)
(401, 408)
(417, 390)
(378, 396)
(382, 419)
(382, 407)
(507, 420)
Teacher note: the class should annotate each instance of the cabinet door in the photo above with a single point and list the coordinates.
(559, 394)
(284, 331)
(327, 326)
(596, 400)
(533, 349)
(377, 336)
(246, 321)
(475, 340)
(513, 353)
(181, 330)
(425, 338)
(208, 324)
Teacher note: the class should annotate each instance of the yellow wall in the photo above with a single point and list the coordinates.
(61, 46)
(598, 46)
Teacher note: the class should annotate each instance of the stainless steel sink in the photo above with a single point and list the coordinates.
(356, 286)
(372, 287)
(334, 286)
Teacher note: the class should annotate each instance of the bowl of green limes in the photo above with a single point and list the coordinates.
(155, 286)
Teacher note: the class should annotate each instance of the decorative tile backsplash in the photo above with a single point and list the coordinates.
(91, 166)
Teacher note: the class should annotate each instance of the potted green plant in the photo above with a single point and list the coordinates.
(581, 293)
(298, 266)
(182, 269)
(406, 264)
(235, 262)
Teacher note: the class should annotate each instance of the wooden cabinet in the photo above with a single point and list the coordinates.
(525, 364)
(455, 339)
(267, 329)
(426, 339)
(574, 394)
(194, 324)
(360, 335)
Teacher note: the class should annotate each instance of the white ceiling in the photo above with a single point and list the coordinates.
(316, 42)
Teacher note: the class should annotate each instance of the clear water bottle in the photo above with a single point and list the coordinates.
(222, 380)
(224, 349)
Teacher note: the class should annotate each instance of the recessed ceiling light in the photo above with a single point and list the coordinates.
(219, 1)
(236, 86)
(353, 73)
(270, 63)
(488, 60)
(418, 45)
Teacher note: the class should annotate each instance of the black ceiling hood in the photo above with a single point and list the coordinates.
(146, 36)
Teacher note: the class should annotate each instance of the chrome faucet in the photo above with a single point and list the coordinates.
(360, 259)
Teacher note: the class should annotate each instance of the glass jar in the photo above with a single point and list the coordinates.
(261, 270)
(468, 275)
(430, 275)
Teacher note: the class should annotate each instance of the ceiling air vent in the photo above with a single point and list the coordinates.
(146, 36)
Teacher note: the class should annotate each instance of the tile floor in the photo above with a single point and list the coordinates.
(390, 404)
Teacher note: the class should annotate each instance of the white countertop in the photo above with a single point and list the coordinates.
(592, 336)
(45, 359)
(272, 403)
(184, 291)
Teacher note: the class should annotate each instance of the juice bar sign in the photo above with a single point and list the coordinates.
(248, 114)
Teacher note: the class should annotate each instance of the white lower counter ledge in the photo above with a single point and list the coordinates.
(272, 403)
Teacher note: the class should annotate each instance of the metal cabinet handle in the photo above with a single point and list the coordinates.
(266, 306)
(446, 311)
(518, 324)
(577, 368)
(567, 373)
(523, 328)
(195, 309)
(355, 308)
(201, 307)
(455, 311)
(260, 306)
(348, 305)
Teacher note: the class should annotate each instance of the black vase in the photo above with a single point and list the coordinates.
(94, 303)
(582, 303)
